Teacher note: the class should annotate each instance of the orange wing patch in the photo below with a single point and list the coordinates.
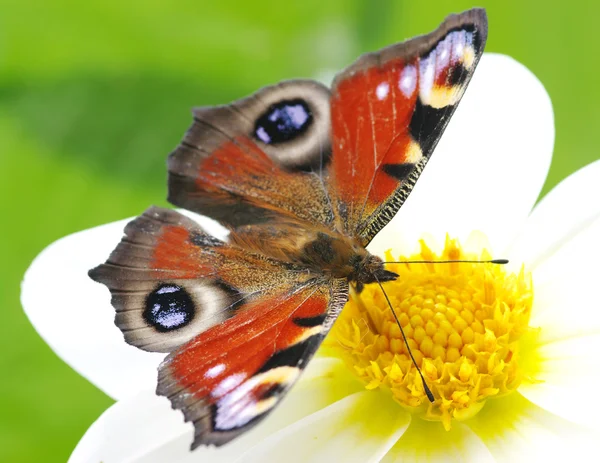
(176, 253)
(226, 391)
(389, 110)
(371, 112)
(240, 169)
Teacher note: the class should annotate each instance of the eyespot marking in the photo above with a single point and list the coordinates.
(283, 121)
(169, 307)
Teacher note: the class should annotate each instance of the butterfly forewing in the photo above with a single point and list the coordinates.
(389, 110)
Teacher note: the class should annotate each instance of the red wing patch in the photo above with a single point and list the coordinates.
(226, 391)
(388, 110)
(176, 254)
(240, 169)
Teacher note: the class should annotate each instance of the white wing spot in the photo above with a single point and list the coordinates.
(442, 52)
(458, 41)
(215, 371)
(408, 81)
(426, 76)
(240, 406)
(229, 383)
(382, 90)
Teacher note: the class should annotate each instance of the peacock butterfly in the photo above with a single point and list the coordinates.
(304, 177)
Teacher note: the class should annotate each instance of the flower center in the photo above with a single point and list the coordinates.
(462, 321)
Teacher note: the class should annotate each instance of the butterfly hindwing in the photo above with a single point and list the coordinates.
(254, 160)
(224, 392)
(389, 110)
(170, 280)
(241, 326)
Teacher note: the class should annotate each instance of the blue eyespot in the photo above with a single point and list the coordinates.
(283, 121)
(169, 307)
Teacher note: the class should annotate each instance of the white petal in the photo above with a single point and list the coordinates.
(360, 428)
(490, 165)
(74, 315)
(566, 301)
(428, 441)
(130, 428)
(144, 428)
(569, 373)
(569, 208)
(516, 430)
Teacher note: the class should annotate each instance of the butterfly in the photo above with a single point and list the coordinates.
(303, 176)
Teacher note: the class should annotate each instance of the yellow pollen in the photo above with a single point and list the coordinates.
(463, 323)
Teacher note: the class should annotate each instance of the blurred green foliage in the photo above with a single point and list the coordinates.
(93, 95)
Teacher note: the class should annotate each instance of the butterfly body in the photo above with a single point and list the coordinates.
(321, 251)
(303, 177)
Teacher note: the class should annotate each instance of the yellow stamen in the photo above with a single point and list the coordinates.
(463, 323)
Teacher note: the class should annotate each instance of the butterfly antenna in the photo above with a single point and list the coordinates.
(491, 261)
(427, 390)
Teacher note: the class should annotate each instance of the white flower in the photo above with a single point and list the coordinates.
(486, 175)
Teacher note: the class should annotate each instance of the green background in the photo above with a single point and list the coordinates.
(93, 96)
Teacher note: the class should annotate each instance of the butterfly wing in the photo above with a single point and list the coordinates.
(258, 159)
(276, 166)
(388, 112)
(177, 289)
(346, 159)
(169, 280)
(225, 392)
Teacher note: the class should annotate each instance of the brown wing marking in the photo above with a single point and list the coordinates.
(257, 159)
(169, 280)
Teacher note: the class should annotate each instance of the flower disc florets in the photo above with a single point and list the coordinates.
(463, 323)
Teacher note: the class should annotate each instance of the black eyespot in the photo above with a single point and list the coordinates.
(283, 121)
(168, 308)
